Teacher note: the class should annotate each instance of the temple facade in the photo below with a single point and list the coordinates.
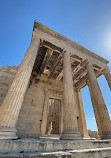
(42, 96)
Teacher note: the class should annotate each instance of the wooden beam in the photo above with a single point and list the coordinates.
(79, 73)
(55, 65)
(97, 67)
(76, 58)
(80, 76)
(60, 75)
(79, 70)
(46, 60)
(83, 82)
(76, 69)
(79, 67)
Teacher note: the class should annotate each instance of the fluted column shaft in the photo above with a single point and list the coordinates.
(10, 108)
(107, 76)
(45, 113)
(70, 127)
(100, 110)
(81, 119)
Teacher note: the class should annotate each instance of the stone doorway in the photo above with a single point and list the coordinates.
(54, 117)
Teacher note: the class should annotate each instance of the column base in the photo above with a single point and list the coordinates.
(8, 133)
(105, 135)
(71, 135)
(86, 136)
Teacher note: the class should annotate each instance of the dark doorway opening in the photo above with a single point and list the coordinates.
(53, 118)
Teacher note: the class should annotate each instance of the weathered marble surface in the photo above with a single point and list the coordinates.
(37, 148)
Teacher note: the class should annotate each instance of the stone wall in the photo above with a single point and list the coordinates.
(31, 114)
(30, 117)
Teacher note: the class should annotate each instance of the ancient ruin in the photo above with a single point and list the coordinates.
(43, 95)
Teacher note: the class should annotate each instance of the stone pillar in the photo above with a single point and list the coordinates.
(10, 108)
(101, 114)
(70, 127)
(81, 115)
(107, 75)
(45, 113)
(61, 117)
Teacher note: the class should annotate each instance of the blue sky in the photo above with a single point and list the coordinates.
(87, 22)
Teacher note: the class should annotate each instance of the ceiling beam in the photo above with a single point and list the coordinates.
(80, 77)
(60, 75)
(79, 67)
(46, 60)
(79, 73)
(58, 60)
(83, 82)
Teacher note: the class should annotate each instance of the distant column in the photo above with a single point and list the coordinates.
(81, 119)
(45, 113)
(107, 75)
(70, 127)
(10, 108)
(100, 110)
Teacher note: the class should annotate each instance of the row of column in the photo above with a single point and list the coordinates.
(70, 101)
(101, 113)
(10, 108)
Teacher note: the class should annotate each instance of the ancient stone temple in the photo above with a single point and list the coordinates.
(42, 96)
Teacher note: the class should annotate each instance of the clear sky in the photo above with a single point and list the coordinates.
(87, 22)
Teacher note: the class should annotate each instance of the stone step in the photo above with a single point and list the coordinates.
(49, 145)
(84, 153)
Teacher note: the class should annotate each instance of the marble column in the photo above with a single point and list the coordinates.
(10, 108)
(70, 127)
(101, 114)
(81, 115)
(45, 113)
(107, 75)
